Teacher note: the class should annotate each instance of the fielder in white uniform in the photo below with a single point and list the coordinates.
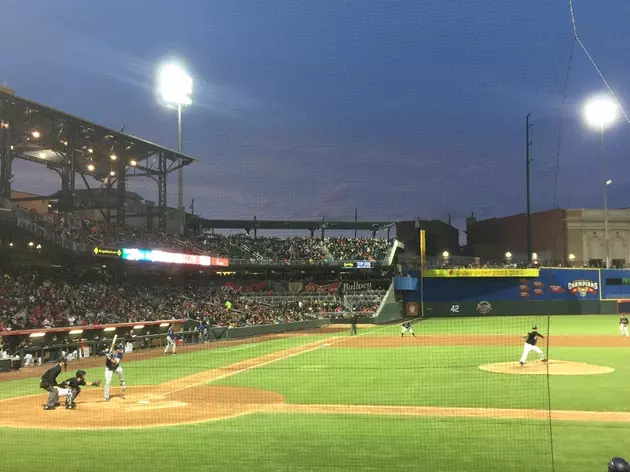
(530, 345)
(170, 339)
(113, 366)
(406, 328)
(623, 325)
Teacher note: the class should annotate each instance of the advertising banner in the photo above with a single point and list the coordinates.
(107, 252)
(481, 273)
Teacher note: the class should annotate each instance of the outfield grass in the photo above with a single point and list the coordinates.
(418, 375)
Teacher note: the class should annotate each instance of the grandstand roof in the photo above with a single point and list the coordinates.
(307, 225)
(41, 134)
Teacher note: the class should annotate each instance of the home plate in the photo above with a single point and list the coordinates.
(144, 402)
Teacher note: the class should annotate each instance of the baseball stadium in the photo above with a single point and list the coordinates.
(329, 330)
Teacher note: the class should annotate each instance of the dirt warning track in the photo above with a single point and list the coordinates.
(488, 340)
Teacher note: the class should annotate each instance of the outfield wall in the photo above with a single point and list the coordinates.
(555, 291)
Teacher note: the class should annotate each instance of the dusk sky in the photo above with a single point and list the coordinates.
(306, 109)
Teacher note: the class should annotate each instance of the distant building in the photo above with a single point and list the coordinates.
(440, 236)
(558, 236)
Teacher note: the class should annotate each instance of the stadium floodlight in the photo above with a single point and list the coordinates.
(508, 255)
(90, 167)
(571, 257)
(31, 244)
(445, 254)
(175, 87)
(133, 163)
(608, 182)
(113, 157)
(601, 113)
(35, 134)
(534, 256)
(112, 173)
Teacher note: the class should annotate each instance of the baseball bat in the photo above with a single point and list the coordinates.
(113, 343)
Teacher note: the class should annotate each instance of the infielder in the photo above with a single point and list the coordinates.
(170, 339)
(530, 345)
(49, 383)
(71, 387)
(406, 328)
(623, 325)
(112, 366)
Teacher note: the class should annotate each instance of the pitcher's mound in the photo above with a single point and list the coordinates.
(553, 367)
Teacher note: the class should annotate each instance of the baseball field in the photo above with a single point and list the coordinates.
(452, 398)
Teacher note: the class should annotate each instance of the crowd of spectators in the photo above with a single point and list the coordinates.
(234, 247)
(46, 300)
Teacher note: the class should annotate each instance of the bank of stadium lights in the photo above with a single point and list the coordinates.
(600, 113)
(175, 86)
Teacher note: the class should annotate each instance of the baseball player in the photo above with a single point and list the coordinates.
(71, 387)
(530, 345)
(170, 339)
(49, 383)
(112, 366)
(406, 328)
(623, 325)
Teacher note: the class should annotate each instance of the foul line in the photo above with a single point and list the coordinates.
(325, 343)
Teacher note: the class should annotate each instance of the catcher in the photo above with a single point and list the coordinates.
(72, 387)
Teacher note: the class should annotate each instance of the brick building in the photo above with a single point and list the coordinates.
(562, 235)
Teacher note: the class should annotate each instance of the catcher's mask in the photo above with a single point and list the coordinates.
(80, 373)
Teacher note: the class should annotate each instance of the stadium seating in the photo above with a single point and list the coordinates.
(46, 300)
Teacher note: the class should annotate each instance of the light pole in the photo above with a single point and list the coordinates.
(601, 113)
(175, 86)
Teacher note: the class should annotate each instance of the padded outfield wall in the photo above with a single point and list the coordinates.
(555, 291)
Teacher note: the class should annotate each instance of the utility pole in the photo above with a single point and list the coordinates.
(356, 218)
(192, 207)
(528, 160)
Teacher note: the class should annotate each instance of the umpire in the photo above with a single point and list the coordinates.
(49, 383)
(353, 324)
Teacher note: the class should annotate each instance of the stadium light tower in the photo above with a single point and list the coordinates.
(175, 87)
(601, 113)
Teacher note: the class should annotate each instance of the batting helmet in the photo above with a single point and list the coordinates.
(80, 373)
(617, 464)
(119, 348)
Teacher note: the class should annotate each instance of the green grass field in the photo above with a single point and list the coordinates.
(409, 375)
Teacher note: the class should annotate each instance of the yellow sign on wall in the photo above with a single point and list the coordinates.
(524, 273)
